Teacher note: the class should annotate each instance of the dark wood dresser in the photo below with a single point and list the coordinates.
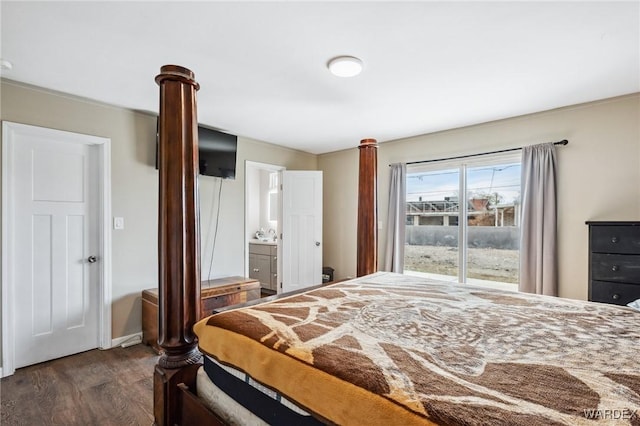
(213, 294)
(614, 262)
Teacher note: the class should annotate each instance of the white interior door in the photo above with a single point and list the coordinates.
(55, 253)
(301, 230)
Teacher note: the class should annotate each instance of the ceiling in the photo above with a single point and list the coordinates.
(428, 66)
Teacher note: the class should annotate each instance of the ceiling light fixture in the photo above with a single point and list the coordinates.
(5, 65)
(345, 66)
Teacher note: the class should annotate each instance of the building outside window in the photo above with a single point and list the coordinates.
(463, 220)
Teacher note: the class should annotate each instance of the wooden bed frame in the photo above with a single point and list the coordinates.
(174, 385)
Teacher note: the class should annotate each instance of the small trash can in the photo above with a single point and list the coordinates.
(327, 274)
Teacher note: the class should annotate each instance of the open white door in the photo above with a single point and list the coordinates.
(300, 230)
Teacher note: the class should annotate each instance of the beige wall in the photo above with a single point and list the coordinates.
(598, 176)
(230, 245)
(340, 205)
(135, 189)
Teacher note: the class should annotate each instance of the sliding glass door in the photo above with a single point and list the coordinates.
(432, 222)
(463, 221)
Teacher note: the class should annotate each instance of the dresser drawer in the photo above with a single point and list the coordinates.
(616, 293)
(615, 239)
(624, 268)
(266, 249)
(211, 303)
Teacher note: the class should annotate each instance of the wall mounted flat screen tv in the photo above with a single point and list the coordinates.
(216, 151)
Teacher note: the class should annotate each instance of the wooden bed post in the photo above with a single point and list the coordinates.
(178, 240)
(368, 208)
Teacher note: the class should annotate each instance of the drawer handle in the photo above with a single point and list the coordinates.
(614, 268)
(616, 296)
(614, 239)
(256, 270)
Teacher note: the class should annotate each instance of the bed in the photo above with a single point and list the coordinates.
(393, 349)
(379, 349)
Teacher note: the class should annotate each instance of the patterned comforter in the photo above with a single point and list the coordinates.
(395, 349)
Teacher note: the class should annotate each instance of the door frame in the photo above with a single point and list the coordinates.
(248, 233)
(103, 146)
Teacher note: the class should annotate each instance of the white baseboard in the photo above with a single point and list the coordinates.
(131, 339)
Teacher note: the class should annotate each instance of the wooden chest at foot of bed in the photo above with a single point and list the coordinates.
(213, 294)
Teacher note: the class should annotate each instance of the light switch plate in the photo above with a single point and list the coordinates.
(118, 223)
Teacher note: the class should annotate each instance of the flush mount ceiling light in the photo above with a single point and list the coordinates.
(345, 66)
(5, 65)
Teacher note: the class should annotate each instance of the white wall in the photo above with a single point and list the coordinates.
(264, 200)
(598, 176)
(253, 202)
(257, 199)
(135, 189)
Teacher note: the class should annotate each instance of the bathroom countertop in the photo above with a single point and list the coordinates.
(266, 243)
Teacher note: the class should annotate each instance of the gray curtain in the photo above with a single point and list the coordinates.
(394, 253)
(538, 247)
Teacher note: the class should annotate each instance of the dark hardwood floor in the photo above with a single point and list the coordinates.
(112, 387)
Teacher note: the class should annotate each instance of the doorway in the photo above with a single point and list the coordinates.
(56, 288)
(283, 233)
(262, 210)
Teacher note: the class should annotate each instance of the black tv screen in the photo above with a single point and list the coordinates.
(216, 151)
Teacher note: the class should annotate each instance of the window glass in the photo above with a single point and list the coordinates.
(484, 247)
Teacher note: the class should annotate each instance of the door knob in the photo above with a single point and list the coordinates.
(92, 259)
(317, 243)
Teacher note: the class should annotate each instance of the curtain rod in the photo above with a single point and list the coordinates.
(562, 142)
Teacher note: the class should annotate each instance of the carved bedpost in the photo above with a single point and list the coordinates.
(178, 238)
(368, 208)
